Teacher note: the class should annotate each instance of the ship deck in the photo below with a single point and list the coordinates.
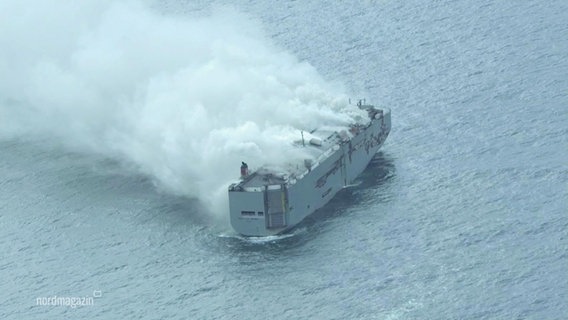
(326, 138)
(260, 179)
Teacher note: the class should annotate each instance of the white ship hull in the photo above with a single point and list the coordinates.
(269, 204)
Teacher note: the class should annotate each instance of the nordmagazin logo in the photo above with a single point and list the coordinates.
(68, 301)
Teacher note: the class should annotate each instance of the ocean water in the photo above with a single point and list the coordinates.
(463, 214)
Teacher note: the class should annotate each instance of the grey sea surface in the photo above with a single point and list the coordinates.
(463, 214)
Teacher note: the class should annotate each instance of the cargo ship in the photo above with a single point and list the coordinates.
(268, 202)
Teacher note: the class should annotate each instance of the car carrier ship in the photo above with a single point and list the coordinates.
(266, 202)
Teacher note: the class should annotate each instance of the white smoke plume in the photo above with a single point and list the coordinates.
(182, 99)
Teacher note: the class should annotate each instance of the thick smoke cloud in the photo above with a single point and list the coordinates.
(182, 99)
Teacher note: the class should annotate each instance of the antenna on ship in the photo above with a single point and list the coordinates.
(303, 142)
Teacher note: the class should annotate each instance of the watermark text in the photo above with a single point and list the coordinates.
(68, 301)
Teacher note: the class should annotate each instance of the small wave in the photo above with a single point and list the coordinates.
(354, 184)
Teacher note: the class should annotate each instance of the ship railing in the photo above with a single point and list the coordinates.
(253, 189)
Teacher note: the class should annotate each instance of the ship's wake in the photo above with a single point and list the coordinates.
(258, 240)
(183, 100)
(266, 239)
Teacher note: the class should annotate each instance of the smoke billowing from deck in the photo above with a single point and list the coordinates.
(183, 100)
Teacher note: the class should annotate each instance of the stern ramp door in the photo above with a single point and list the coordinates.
(275, 206)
